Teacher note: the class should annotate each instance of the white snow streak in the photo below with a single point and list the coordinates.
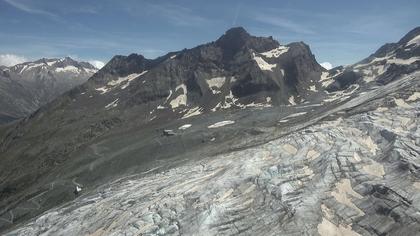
(276, 52)
(221, 124)
(216, 83)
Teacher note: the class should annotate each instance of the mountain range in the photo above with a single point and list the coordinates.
(242, 135)
(26, 87)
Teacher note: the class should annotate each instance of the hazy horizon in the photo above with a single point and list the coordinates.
(338, 33)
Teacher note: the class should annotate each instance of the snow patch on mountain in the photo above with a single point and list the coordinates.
(263, 64)
(216, 83)
(414, 41)
(388, 60)
(34, 65)
(276, 52)
(181, 100)
(102, 90)
(228, 102)
(342, 95)
(184, 127)
(54, 61)
(292, 100)
(112, 104)
(326, 79)
(372, 72)
(51, 63)
(90, 71)
(126, 80)
(253, 104)
(221, 124)
(313, 88)
(71, 69)
(193, 112)
(400, 61)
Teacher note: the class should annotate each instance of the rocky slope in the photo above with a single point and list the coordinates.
(265, 141)
(26, 87)
(386, 64)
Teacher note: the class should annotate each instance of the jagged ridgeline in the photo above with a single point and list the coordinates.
(26, 87)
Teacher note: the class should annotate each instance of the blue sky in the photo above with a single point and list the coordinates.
(340, 32)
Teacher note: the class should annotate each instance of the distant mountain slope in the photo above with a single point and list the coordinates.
(386, 64)
(26, 87)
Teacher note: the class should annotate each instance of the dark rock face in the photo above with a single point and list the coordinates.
(343, 81)
(237, 40)
(26, 87)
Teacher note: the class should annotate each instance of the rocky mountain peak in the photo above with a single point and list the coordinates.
(122, 64)
(234, 35)
(236, 39)
(235, 71)
(413, 34)
(233, 41)
(404, 46)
